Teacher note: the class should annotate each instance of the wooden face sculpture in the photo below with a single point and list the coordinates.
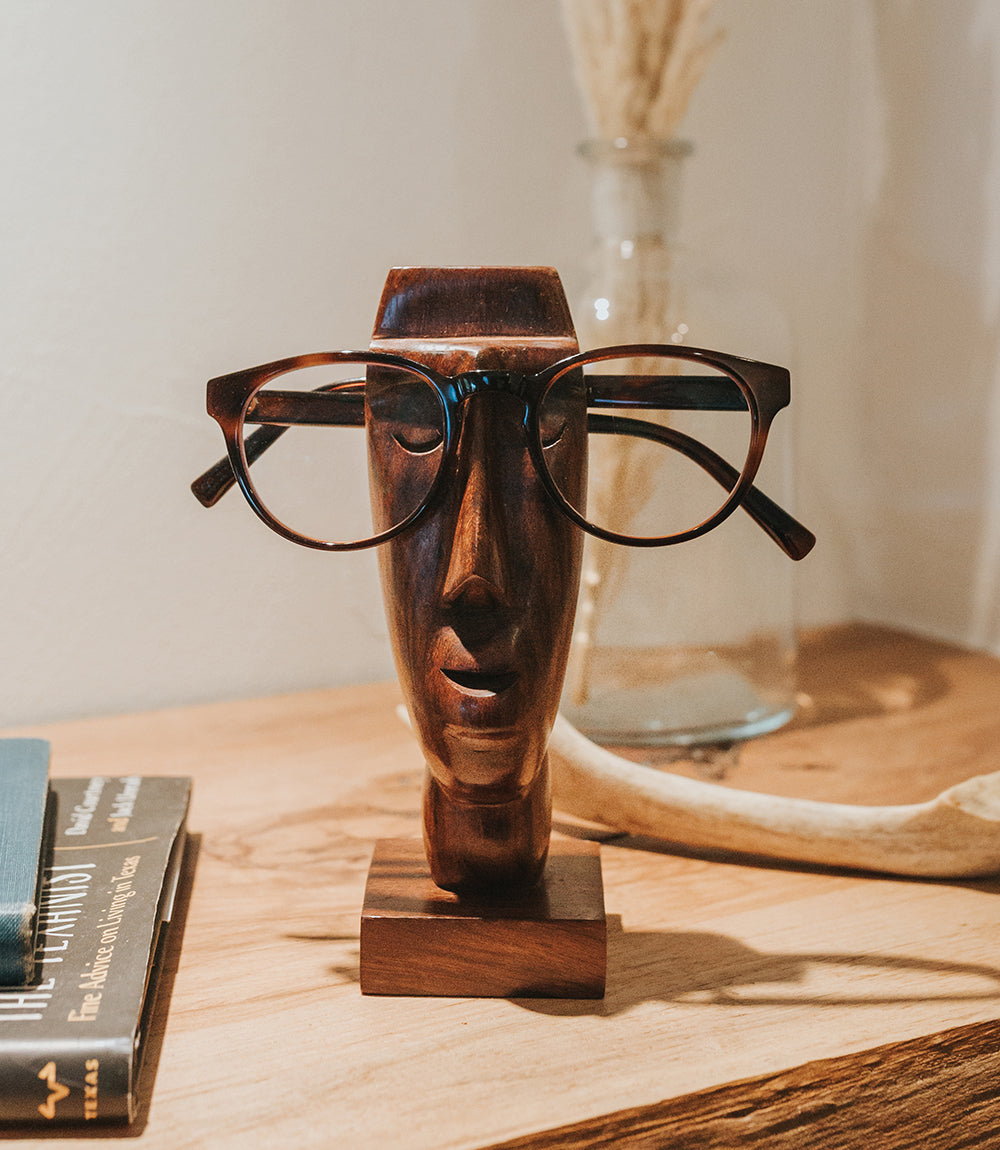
(480, 593)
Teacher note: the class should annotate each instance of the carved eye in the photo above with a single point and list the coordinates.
(409, 410)
(564, 401)
(418, 440)
(552, 430)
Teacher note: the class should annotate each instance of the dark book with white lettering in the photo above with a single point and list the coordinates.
(71, 1041)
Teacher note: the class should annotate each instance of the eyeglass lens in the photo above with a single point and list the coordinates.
(314, 479)
(667, 439)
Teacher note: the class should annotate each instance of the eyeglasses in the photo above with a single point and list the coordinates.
(673, 435)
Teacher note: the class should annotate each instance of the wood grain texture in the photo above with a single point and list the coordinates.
(546, 942)
(878, 1098)
(721, 968)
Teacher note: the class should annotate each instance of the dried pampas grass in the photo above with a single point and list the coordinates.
(639, 61)
(637, 65)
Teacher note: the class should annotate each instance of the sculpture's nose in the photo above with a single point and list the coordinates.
(477, 577)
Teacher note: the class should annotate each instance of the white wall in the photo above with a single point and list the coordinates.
(928, 403)
(189, 188)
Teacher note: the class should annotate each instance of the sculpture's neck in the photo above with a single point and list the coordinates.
(477, 846)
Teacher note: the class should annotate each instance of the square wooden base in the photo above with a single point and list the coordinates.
(417, 939)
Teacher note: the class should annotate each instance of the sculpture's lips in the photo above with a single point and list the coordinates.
(482, 683)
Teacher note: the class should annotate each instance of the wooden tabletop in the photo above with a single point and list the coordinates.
(748, 1004)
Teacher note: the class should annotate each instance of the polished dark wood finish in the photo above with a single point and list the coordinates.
(480, 594)
(547, 942)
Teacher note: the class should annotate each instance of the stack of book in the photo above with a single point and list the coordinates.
(88, 872)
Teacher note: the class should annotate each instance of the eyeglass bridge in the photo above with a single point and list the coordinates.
(474, 382)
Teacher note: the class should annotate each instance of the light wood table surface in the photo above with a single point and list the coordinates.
(748, 1004)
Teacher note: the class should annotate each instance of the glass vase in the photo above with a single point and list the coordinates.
(693, 643)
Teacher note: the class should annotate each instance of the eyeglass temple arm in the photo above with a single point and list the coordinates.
(665, 392)
(790, 535)
(279, 410)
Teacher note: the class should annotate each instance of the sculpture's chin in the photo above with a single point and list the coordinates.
(481, 764)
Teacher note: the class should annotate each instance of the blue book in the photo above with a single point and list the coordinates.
(24, 791)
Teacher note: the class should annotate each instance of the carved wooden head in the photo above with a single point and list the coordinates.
(480, 594)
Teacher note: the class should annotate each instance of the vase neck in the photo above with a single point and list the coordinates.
(635, 188)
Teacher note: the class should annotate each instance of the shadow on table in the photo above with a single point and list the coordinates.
(701, 968)
(863, 670)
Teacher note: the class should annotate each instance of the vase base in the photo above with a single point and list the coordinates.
(720, 708)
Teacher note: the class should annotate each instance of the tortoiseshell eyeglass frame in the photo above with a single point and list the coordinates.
(760, 388)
